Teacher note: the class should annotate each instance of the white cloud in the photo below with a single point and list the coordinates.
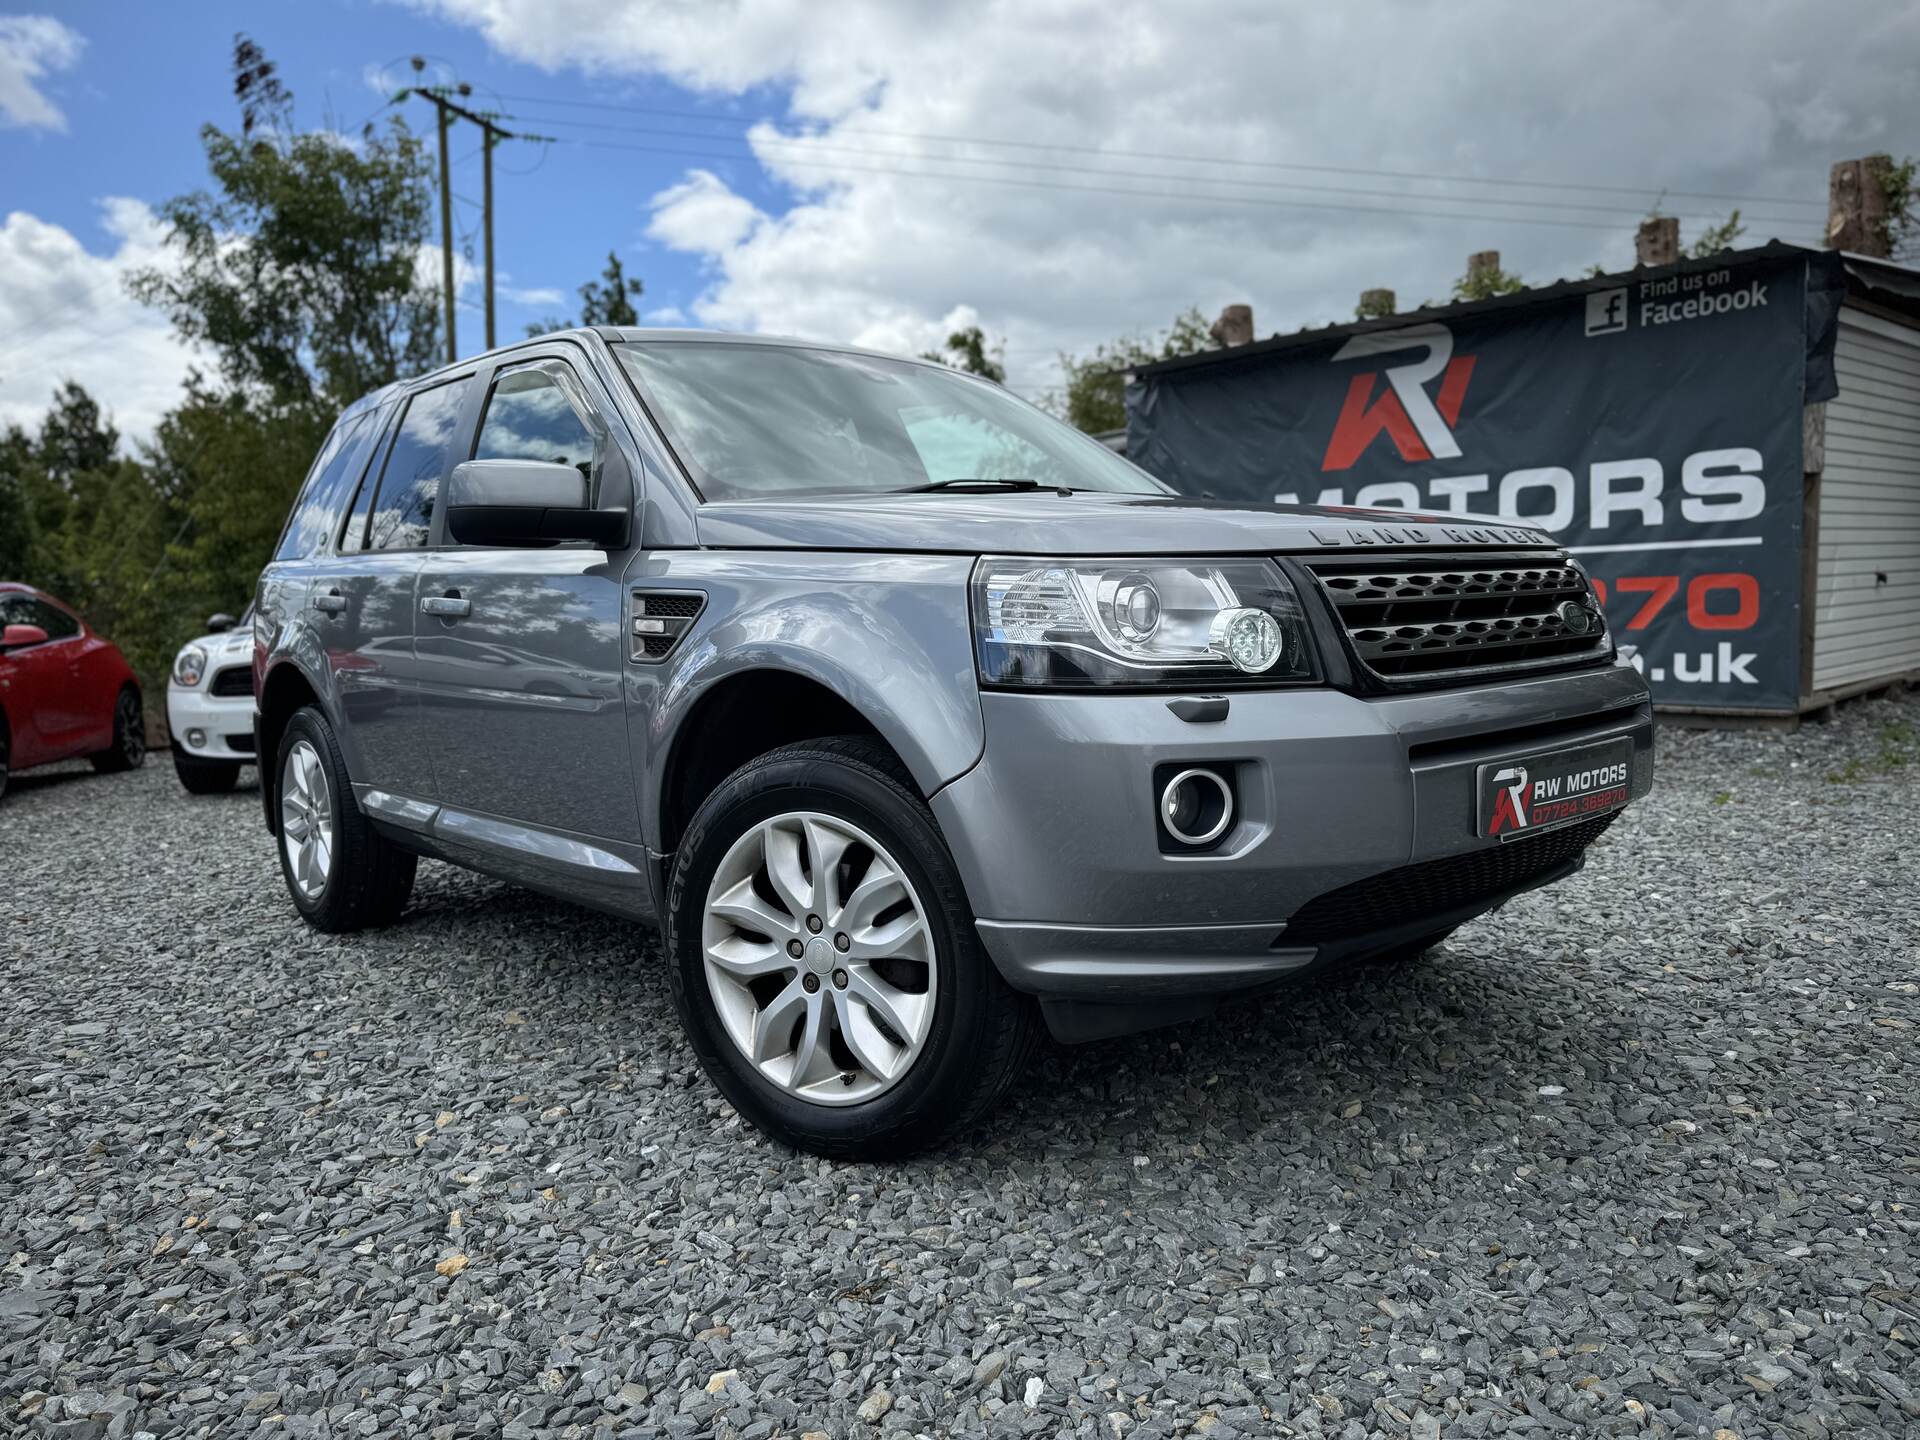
(1660, 98)
(702, 215)
(671, 315)
(537, 295)
(32, 46)
(65, 314)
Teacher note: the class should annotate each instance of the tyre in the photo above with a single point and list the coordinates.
(205, 777)
(129, 748)
(1411, 950)
(342, 873)
(824, 960)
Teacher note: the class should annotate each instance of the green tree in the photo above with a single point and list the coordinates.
(95, 525)
(1716, 238)
(606, 301)
(298, 272)
(1374, 305)
(1093, 395)
(967, 350)
(19, 527)
(1486, 283)
(1901, 185)
(301, 274)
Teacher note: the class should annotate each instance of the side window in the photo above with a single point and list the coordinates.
(410, 481)
(319, 500)
(379, 440)
(58, 624)
(537, 412)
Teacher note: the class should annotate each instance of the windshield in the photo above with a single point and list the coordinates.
(759, 421)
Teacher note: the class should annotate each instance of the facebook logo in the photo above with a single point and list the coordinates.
(1606, 312)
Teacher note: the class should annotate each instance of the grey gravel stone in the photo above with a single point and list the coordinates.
(1639, 1154)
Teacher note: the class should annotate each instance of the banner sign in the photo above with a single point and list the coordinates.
(1652, 428)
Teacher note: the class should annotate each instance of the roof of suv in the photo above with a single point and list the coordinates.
(614, 334)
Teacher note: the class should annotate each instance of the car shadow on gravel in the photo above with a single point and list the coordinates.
(54, 777)
(1446, 1043)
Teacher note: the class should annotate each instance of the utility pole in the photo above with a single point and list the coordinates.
(486, 198)
(446, 234)
(491, 134)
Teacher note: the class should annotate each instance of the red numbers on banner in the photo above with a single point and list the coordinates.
(1746, 609)
(1661, 589)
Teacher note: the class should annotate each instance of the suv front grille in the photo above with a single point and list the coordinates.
(1435, 887)
(1421, 617)
(234, 680)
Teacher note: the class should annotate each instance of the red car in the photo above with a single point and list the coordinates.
(64, 691)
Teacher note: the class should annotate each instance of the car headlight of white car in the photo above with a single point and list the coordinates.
(189, 665)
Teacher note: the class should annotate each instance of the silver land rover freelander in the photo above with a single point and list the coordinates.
(915, 718)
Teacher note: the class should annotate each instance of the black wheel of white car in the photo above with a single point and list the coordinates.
(341, 872)
(129, 748)
(205, 777)
(825, 962)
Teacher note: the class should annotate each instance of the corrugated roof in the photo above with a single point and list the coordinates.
(1882, 276)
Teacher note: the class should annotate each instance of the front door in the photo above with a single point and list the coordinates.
(45, 675)
(520, 652)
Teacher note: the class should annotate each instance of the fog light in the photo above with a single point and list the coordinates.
(1196, 807)
(196, 738)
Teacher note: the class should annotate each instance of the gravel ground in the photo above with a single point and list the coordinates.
(1640, 1154)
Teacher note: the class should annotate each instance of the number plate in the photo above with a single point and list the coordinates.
(1532, 793)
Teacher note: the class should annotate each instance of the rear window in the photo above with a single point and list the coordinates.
(335, 468)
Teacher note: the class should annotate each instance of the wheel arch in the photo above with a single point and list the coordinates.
(738, 717)
(285, 690)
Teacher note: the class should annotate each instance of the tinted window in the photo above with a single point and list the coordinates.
(56, 622)
(334, 469)
(530, 417)
(17, 609)
(755, 420)
(410, 482)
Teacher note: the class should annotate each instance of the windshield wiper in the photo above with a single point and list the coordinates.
(1001, 483)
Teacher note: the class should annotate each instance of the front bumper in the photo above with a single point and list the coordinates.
(1055, 836)
(226, 722)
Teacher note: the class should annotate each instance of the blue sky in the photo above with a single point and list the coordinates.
(882, 172)
(151, 75)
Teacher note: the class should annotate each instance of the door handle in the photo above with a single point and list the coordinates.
(447, 607)
(331, 603)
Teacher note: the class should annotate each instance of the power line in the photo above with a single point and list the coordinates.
(810, 147)
(1188, 158)
(33, 329)
(1398, 211)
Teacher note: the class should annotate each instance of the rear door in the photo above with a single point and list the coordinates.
(361, 597)
(521, 651)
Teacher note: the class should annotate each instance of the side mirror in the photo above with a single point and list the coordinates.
(19, 637)
(528, 502)
(219, 622)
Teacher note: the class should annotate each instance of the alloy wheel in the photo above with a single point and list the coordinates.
(819, 958)
(306, 819)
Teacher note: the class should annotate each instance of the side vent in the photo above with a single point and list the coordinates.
(660, 618)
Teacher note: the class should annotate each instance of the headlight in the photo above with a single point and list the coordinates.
(1162, 623)
(189, 665)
